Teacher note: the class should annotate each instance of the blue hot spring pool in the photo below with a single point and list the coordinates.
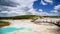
(12, 29)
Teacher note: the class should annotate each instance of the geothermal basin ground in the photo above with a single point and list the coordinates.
(25, 26)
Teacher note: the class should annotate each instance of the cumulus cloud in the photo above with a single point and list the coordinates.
(40, 10)
(8, 3)
(43, 13)
(57, 7)
(19, 7)
(49, 1)
(45, 2)
(56, 10)
(15, 7)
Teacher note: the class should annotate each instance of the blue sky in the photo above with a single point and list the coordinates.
(47, 7)
(31, 7)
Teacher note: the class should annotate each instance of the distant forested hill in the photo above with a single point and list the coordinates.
(19, 17)
(27, 17)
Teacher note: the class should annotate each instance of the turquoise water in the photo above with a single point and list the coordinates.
(12, 29)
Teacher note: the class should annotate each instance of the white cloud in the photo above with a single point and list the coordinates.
(22, 9)
(45, 14)
(56, 10)
(13, 11)
(24, 3)
(53, 11)
(49, 1)
(45, 2)
(40, 10)
(57, 7)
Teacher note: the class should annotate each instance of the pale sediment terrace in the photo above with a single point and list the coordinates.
(31, 28)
